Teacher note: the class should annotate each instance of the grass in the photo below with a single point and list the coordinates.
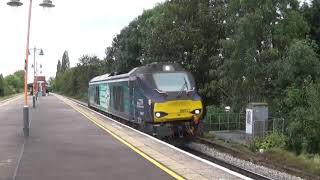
(83, 98)
(7, 97)
(234, 146)
(79, 97)
(305, 162)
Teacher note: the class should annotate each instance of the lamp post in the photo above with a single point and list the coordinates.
(16, 3)
(34, 66)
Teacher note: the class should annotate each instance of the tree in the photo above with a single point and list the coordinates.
(74, 81)
(20, 75)
(62, 67)
(312, 15)
(51, 83)
(299, 72)
(185, 32)
(65, 64)
(109, 59)
(300, 63)
(2, 85)
(13, 82)
(303, 127)
(258, 33)
(87, 68)
(58, 68)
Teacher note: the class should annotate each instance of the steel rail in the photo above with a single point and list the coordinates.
(230, 166)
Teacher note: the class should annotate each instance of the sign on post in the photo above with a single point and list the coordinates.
(249, 121)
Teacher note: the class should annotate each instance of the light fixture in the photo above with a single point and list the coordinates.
(167, 68)
(14, 3)
(158, 114)
(46, 4)
(196, 111)
(41, 52)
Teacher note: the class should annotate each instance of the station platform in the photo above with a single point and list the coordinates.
(69, 141)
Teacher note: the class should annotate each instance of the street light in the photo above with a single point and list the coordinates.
(46, 4)
(35, 66)
(15, 3)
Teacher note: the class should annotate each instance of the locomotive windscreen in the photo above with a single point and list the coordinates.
(172, 82)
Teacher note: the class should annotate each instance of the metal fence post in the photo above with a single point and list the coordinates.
(239, 121)
(219, 121)
(263, 129)
(273, 122)
(228, 121)
(210, 126)
(282, 125)
(253, 125)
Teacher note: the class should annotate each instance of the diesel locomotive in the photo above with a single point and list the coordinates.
(159, 98)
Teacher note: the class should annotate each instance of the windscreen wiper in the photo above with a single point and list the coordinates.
(185, 85)
(161, 92)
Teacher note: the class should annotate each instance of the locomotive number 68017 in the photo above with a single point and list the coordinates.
(160, 98)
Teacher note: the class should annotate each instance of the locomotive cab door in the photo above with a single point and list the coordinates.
(132, 98)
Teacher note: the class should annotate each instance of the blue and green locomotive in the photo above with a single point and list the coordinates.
(159, 98)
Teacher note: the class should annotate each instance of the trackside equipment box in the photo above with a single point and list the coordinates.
(256, 119)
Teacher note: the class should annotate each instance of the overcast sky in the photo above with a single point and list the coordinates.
(81, 27)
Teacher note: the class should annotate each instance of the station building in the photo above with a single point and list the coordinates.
(40, 85)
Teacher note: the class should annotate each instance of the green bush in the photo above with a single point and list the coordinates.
(273, 140)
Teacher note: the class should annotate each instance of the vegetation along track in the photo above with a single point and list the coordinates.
(247, 156)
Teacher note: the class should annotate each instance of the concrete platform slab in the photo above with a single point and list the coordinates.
(63, 144)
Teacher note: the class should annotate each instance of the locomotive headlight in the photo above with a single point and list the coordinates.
(158, 114)
(196, 111)
(167, 68)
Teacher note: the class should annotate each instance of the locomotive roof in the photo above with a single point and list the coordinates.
(149, 68)
(99, 78)
(156, 67)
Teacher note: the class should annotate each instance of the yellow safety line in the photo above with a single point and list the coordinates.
(153, 161)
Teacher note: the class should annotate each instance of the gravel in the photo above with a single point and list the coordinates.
(270, 173)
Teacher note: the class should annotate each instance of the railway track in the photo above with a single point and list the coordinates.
(245, 172)
(220, 162)
(252, 157)
(237, 169)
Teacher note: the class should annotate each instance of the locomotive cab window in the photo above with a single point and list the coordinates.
(172, 82)
(97, 95)
(118, 98)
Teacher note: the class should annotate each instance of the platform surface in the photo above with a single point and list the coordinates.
(69, 141)
(63, 144)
